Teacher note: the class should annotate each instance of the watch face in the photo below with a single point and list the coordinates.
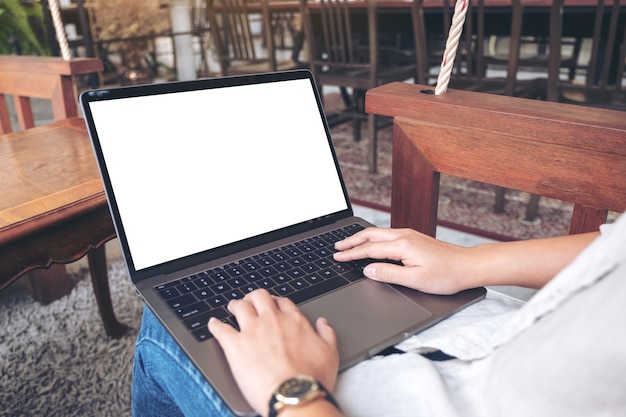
(297, 387)
(297, 390)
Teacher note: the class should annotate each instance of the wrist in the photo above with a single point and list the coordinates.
(301, 393)
(319, 407)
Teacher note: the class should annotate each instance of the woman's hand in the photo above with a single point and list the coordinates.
(429, 265)
(275, 343)
(441, 268)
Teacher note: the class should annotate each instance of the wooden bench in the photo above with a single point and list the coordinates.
(571, 153)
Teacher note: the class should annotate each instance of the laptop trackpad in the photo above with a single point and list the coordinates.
(367, 317)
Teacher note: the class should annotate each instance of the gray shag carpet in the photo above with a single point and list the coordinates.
(56, 360)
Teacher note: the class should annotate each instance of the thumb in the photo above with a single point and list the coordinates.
(385, 272)
(326, 332)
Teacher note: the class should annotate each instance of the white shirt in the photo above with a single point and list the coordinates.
(561, 354)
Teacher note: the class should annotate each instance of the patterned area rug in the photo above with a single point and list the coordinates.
(55, 360)
(464, 205)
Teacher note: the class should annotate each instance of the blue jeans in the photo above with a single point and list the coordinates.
(165, 382)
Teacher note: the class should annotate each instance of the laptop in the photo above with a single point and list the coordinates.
(220, 186)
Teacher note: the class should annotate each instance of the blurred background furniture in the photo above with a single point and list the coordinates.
(598, 80)
(479, 67)
(244, 45)
(571, 153)
(346, 51)
(48, 78)
(52, 209)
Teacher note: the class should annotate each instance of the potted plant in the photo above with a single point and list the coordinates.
(128, 28)
(21, 28)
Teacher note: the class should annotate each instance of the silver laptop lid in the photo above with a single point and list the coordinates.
(197, 169)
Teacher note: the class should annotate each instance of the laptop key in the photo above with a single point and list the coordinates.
(236, 282)
(190, 310)
(282, 290)
(251, 276)
(217, 301)
(299, 283)
(203, 293)
(353, 275)
(266, 283)
(234, 294)
(182, 301)
(169, 292)
(218, 276)
(341, 268)
(328, 273)
(251, 266)
(202, 334)
(310, 268)
(295, 273)
(166, 285)
(317, 289)
(267, 271)
(201, 320)
(187, 287)
(249, 288)
(220, 288)
(314, 278)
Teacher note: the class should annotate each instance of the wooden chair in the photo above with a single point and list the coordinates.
(48, 78)
(51, 78)
(239, 50)
(603, 76)
(572, 153)
(474, 61)
(345, 51)
(429, 48)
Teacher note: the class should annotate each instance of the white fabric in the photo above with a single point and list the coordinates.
(561, 354)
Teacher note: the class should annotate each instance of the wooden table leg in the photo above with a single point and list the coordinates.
(48, 285)
(100, 282)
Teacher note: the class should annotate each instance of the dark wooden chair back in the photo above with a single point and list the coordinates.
(239, 49)
(429, 48)
(474, 59)
(572, 153)
(345, 50)
(49, 78)
(336, 44)
(603, 74)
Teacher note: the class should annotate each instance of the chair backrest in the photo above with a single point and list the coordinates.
(572, 153)
(604, 71)
(473, 55)
(338, 43)
(475, 59)
(49, 78)
(231, 23)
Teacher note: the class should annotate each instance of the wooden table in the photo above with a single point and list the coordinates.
(53, 208)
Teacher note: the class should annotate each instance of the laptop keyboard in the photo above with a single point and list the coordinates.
(299, 271)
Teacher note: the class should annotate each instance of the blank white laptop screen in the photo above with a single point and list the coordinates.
(196, 170)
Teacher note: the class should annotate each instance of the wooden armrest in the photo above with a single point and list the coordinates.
(571, 153)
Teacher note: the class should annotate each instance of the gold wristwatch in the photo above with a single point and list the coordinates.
(296, 391)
